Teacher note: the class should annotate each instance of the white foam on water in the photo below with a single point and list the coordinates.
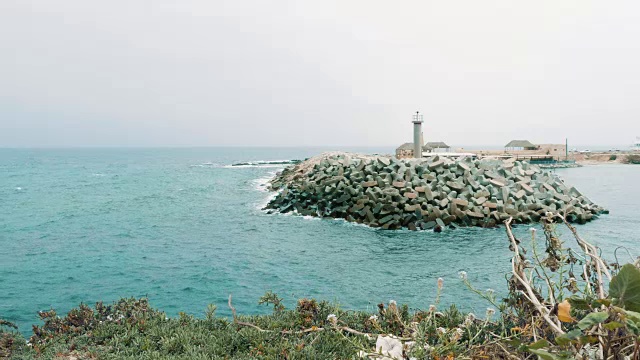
(19, 188)
(260, 184)
(263, 164)
(279, 166)
(309, 217)
(98, 174)
(206, 165)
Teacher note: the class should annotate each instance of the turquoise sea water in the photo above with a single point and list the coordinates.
(185, 229)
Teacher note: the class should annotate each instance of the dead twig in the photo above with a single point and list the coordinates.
(299, 332)
(517, 268)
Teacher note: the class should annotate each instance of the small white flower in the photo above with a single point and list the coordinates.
(332, 318)
(109, 317)
(533, 230)
(490, 291)
(459, 331)
(373, 318)
(463, 275)
(392, 302)
(471, 316)
(490, 312)
(440, 283)
(432, 308)
(441, 330)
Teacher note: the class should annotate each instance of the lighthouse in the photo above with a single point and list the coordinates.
(417, 135)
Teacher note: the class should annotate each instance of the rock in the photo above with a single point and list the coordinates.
(490, 205)
(410, 195)
(455, 185)
(474, 214)
(428, 194)
(480, 201)
(371, 183)
(528, 189)
(436, 164)
(410, 208)
(384, 161)
(460, 202)
(505, 193)
(425, 193)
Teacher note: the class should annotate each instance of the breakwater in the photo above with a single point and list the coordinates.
(430, 193)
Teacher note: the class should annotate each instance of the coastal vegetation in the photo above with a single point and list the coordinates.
(633, 159)
(564, 302)
(430, 193)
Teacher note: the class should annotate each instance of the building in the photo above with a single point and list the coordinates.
(404, 151)
(518, 145)
(436, 146)
(555, 150)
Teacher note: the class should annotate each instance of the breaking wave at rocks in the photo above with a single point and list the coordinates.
(265, 163)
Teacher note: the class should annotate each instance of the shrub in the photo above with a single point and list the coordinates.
(633, 159)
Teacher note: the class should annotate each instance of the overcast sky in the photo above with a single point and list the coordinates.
(269, 73)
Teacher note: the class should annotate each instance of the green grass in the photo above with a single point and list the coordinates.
(131, 329)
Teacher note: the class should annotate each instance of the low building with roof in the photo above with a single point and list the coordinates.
(405, 151)
(436, 146)
(516, 145)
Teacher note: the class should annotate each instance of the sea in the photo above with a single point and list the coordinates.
(184, 227)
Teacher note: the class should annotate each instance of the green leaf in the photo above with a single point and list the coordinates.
(568, 337)
(592, 319)
(579, 303)
(563, 340)
(588, 339)
(574, 334)
(625, 288)
(539, 344)
(633, 316)
(514, 342)
(612, 325)
(633, 326)
(544, 355)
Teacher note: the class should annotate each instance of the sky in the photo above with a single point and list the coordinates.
(77, 73)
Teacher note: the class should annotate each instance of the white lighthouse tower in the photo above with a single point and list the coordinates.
(417, 135)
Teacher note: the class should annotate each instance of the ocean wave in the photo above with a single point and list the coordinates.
(206, 165)
(260, 184)
(18, 188)
(265, 163)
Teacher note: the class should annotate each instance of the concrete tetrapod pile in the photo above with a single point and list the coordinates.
(432, 193)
